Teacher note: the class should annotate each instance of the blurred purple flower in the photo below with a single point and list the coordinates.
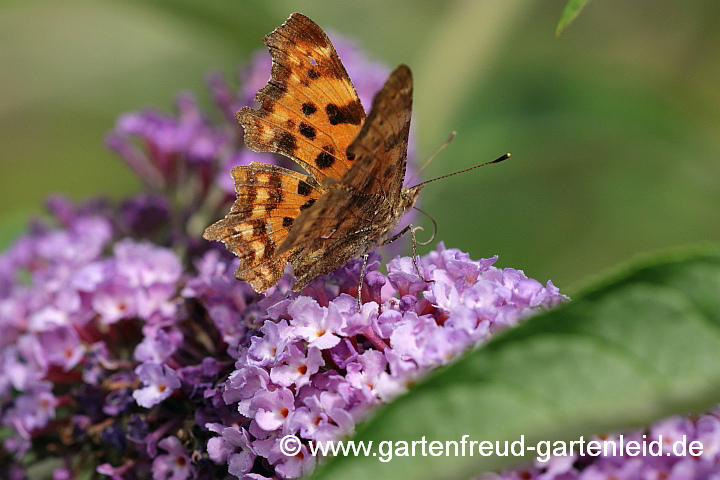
(144, 214)
(175, 465)
(62, 347)
(159, 380)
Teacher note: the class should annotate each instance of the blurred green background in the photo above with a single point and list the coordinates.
(613, 127)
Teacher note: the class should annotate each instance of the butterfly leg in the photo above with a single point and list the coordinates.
(415, 255)
(362, 280)
(402, 232)
(397, 235)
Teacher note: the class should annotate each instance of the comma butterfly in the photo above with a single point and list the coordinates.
(353, 197)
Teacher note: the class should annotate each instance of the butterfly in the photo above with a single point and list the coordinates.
(352, 198)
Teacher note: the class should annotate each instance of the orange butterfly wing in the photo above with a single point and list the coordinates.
(269, 198)
(310, 110)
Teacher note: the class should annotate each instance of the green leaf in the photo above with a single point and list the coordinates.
(572, 9)
(640, 345)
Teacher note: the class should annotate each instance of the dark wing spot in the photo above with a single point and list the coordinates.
(287, 221)
(276, 196)
(303, 188)
(326, 158)
(269, 247)
(308, 130)
(313, 74)
(285, 142)
(350, 156)
(308, 204)
(309, 108)
(259, 227)
(351, 113)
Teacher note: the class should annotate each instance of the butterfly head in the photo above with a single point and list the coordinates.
(408, 198)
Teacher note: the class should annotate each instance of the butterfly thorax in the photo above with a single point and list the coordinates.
(351, 236)
(386, 218)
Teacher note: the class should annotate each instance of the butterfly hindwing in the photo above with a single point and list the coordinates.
(309, 110)
(269, 198)
(336, 228)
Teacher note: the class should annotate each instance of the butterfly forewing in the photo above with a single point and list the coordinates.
(310, 111)
(381, 147)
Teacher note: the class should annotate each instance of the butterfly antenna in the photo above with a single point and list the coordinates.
(435, 227)
(497, 160)
(452, 136)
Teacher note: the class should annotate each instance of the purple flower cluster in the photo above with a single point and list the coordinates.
(111, 345)
(669, 465)
(105, 347)
(315, 366)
